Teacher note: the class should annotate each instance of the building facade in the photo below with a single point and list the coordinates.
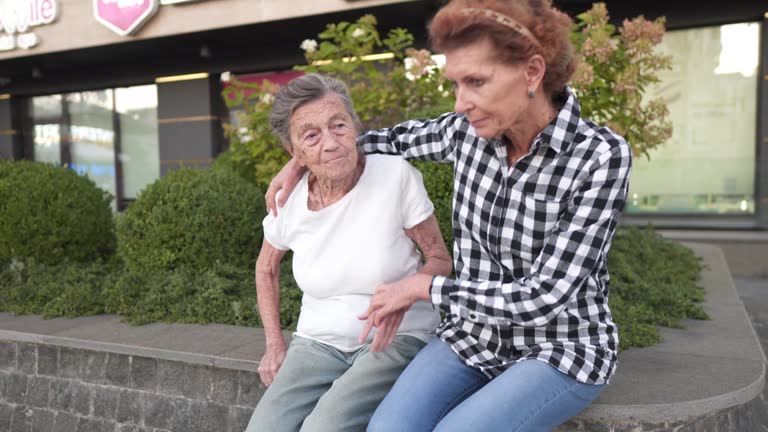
(125, 90)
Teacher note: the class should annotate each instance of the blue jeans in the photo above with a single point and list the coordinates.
(439, 392)
(322, 389)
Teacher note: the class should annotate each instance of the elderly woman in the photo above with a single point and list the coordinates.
(351, 228)
(527, 339)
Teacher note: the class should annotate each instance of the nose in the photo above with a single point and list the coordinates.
(330, 142)
(462, 105)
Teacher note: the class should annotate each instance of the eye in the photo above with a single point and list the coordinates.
(476, 82)
(310, 138)
(340, 126)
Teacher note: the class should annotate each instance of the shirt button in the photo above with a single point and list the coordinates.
(472, 316)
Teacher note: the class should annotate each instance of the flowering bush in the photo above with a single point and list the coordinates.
(614, 73)
(385, 89)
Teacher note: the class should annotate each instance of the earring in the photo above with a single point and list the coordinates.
(530, 93)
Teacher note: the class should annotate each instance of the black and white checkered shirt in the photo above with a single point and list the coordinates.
(531, 240)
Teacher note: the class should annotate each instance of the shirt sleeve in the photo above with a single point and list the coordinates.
(274, 231)
(430, 140)
(416, 206)
(578, 242)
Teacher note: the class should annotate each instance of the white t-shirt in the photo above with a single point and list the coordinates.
(344, 251)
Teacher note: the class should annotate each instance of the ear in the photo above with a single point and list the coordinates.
(298, 155)
(534, 71)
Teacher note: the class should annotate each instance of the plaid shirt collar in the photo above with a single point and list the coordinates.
(559, 133)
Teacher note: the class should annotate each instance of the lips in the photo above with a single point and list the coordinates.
(337, 159)
(477, 123)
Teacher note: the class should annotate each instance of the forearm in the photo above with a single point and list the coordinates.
(437, 260)
(268, 293)
(430, 140)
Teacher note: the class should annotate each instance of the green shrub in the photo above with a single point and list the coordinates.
(438, 180)
(224, 295)
(71, 289)
(52, 214)
(653, 283)
(193, 219)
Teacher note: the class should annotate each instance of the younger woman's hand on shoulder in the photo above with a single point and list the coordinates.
(284, 181)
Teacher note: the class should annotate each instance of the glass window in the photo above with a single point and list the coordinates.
(46, 118)
(139, 151)
(92, 137)
(708, 166)
(85, 130)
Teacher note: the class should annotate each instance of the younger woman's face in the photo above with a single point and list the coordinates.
(492, 95)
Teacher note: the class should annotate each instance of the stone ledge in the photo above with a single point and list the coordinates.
(703, 378)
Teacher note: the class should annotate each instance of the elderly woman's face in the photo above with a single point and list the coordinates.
(491, 94)
(324, 138)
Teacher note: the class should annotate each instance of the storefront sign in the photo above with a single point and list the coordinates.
(124, 16)
(17, 16)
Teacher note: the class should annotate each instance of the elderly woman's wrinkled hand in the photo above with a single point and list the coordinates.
(270, 364)
(385, 332)
(388, 306)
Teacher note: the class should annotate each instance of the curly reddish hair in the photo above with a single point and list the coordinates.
(452, 27)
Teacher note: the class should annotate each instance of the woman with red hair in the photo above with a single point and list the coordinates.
(527, 339)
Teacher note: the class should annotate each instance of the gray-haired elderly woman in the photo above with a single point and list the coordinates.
(351, 228)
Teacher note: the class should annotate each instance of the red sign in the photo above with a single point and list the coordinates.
(124, 16)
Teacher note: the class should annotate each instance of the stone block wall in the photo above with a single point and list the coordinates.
(54, 388)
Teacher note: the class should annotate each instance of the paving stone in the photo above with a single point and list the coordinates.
(81, 398)
(170, 378)
(196, 381)
(70, 363)
(143, 373)
(94, 367)
(129, 407)
(6, 413)
(16, 390)
(26, 358)
(47, 360)
(158, 410)
(38, 389)
(224, 386)
(42, 420)
(21, 421)
(105, 401)
(7, 356)
(250, 388)
(65, 422)
(239, 417)
(95, 425)
(61, 395)
(208, 416)
(118, 370)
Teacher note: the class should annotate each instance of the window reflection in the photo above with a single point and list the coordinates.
(708, 165)
(84, 130)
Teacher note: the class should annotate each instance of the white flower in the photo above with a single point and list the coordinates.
(226, 76)
(309, 45)
(358, 32)
(267, 98)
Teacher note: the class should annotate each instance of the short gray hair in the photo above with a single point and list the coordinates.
(300, 91)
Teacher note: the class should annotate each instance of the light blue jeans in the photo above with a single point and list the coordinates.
(439, 392)
(320, 388)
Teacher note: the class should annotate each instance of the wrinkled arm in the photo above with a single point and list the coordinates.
(390, 302)
(427, 236)
(268, 300)
(576, 245)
